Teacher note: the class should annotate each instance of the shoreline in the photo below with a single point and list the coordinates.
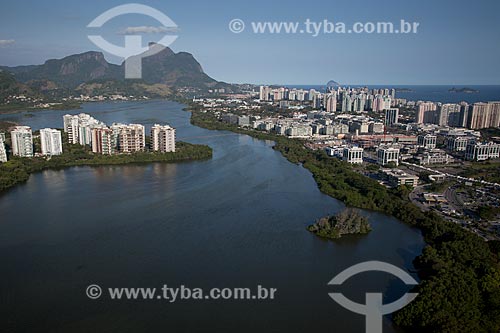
(17, 171)
(59, 107)
(451, 255)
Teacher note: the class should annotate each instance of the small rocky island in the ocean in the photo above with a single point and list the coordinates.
(347, 222)
(403, 90)
(465, 90)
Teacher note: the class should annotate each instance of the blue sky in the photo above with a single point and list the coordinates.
(457, 41)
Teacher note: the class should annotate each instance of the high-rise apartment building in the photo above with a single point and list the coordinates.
(449, 115)
(102, 140)
(264, 93)
(130, 138)
(378, 103)
(51, 141)
(79, 128)
(22, 141)
(331, 102)
(163, 138)
(346, 103)
(484, 115)
(3, 151)
(391, 116)
(426, 113)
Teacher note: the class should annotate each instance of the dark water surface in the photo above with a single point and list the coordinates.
(237, 220)
(441, 93)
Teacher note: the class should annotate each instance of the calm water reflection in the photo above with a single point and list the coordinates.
(237, 220)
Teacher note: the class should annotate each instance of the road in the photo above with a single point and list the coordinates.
(460, 178)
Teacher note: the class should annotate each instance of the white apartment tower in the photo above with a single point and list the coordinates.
(331, 102)
(22, 141)
(51, 141)
(79, 128)
(163, 138)
(3, 152)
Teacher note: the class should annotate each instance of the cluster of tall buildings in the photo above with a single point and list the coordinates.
(473, 116)
(21, 138)
(484, 115)
(117, 138)
(341, 99)
(85, 130)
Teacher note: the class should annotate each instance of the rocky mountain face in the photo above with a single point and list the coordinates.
(165, 67)
(172, 69)
(9, 86)
(67, 72)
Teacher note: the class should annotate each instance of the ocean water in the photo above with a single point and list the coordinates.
(432, 93)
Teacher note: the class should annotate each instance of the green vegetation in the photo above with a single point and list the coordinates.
(347, 222)
(489, 134)
(373, 167)
(487, 212)
(460, 288)
(17, 170)
(5, 125)
(438, 187)
(488, 171)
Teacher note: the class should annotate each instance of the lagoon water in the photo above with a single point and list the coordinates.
(237, 220)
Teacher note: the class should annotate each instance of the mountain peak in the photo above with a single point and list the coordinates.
(162, 66)
(81, 57)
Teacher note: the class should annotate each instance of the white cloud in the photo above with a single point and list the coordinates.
(148, 30)
(5, 42)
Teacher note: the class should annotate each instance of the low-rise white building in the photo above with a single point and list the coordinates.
(427, 141)
(337, 151)
(398, 177)
(299, 130)
(434, 156)
(476, 151)
(457, 143)
(387, 154)
(353, 155)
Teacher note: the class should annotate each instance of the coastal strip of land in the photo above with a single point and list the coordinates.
(459, 271)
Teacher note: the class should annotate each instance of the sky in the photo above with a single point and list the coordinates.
(456, 42)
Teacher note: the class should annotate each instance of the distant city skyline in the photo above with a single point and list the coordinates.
(454, 44)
